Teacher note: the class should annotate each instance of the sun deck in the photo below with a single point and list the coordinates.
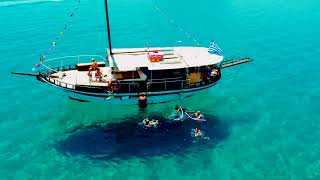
(75, 77)
(173, 58)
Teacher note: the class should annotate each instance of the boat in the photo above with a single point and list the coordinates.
(135, 76)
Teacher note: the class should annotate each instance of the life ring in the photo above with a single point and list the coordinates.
(115, 84)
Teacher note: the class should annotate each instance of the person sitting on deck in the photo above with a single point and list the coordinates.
(198, 115)
(214, 72)
(62, 74)
(98, 75)
(95, 65)
(90, 73)
(208, 70)
(208, 74)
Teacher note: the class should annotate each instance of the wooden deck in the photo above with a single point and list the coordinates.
(75, 77)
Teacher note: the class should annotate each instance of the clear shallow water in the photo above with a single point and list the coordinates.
(264, 116)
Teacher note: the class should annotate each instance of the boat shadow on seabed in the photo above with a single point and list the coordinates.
(127, 139)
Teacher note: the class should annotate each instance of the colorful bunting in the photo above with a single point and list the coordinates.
(54, 43)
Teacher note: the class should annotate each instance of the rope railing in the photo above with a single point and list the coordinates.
(76, 56)
(76, 60)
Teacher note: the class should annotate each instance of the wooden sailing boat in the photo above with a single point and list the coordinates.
(136, 75)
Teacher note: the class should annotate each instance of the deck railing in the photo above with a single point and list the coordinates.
(65, 61)
(59, 83)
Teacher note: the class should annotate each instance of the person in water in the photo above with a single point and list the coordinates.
(146, 122)
(178, 108)
(197, 133)
(198, 115)
(149, 123)
(142, 100)
(154, 123)
(178, 114)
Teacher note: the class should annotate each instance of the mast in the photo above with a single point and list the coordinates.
(108, 26)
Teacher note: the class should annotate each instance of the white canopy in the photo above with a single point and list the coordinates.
(176, 58)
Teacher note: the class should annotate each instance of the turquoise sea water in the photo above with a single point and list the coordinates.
(263, 117)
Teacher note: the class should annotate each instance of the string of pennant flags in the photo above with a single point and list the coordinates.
(176, 25)
(56, 40)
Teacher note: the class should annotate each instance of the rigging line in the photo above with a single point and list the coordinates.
(171, 21)
(58, 37)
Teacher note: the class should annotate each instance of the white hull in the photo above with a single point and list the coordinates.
(132, 99)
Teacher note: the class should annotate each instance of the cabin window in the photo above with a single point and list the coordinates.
(166, 74)
(127, 75)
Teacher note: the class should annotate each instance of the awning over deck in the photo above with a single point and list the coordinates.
(176, 58)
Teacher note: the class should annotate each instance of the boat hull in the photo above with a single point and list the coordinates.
(133, 98)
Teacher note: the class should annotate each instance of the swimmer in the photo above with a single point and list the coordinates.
(148, 123)
(197, 132)
(178, 114)
(198, 115)
(154, 123)
(178, 108)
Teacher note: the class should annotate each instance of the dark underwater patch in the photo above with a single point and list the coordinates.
(127, 139)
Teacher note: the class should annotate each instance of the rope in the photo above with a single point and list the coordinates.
(54, 43)
(171, 21)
